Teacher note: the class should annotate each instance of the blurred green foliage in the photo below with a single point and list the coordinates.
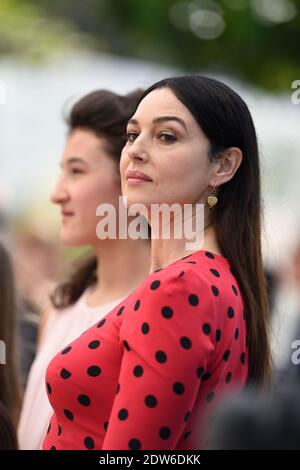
(27, 32)
(255, 40)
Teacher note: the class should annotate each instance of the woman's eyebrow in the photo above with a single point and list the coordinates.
(169, 118)
(162, 119)
(71, 160)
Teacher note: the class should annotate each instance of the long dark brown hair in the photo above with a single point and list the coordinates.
(8, 438)
(106, 115)
(10, 394)
(226, 121)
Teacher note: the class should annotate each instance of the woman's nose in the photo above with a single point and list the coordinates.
(138, 151)
(59, 194)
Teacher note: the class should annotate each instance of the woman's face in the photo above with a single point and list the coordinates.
(88, 178)
(165, 142)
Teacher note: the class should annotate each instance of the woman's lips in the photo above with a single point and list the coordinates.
(135, 176)
(134, 181)
(66, 215)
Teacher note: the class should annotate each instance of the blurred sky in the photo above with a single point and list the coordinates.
(33, 132)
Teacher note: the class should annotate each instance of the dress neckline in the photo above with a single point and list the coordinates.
(83, 302)
(209, 254)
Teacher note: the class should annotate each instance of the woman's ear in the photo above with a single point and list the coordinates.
(226, 166)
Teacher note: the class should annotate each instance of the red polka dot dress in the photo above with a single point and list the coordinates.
(146, 375)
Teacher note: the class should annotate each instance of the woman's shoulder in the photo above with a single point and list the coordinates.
(57, 321)
(203, 280)
(194, 290)
(200, 270)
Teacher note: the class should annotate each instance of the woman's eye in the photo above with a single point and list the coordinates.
(131, 136)
(168, 138)
(76, 171)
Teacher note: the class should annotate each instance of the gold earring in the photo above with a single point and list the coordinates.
(212, 198)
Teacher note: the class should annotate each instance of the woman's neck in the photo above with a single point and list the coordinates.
(165, 252)
(122, 266)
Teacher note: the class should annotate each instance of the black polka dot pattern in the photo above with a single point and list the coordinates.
(155, 285)
(228, 377)
(230, 312)
(226, 355)
(94, 371)
(210, 397)
(193, 300)
(234, 290)
(145, 328)
(89, 443)
(243, 358)
(165, 433)
(67, 350)
(150, 401)
(185, 342)
(215, 272)
(167, 312)
(126, 345)
(161, 357)
(206, 376)
(138, 371)
(65, 374)
(176, 343)
(69, 415)
(84, 400)
(101, 323)
(215, 291)
(178, 388)
(134, 444)
(120, 311)
(123, 414)
(206, 329)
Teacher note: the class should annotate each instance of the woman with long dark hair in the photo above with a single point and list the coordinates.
(196, 328)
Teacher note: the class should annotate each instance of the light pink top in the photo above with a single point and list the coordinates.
(62, 327)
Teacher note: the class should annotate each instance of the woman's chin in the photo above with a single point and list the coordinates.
(72, 240)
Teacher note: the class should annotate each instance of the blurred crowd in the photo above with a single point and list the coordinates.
(27, 273)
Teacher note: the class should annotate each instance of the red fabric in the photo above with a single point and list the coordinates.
(145, 376)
